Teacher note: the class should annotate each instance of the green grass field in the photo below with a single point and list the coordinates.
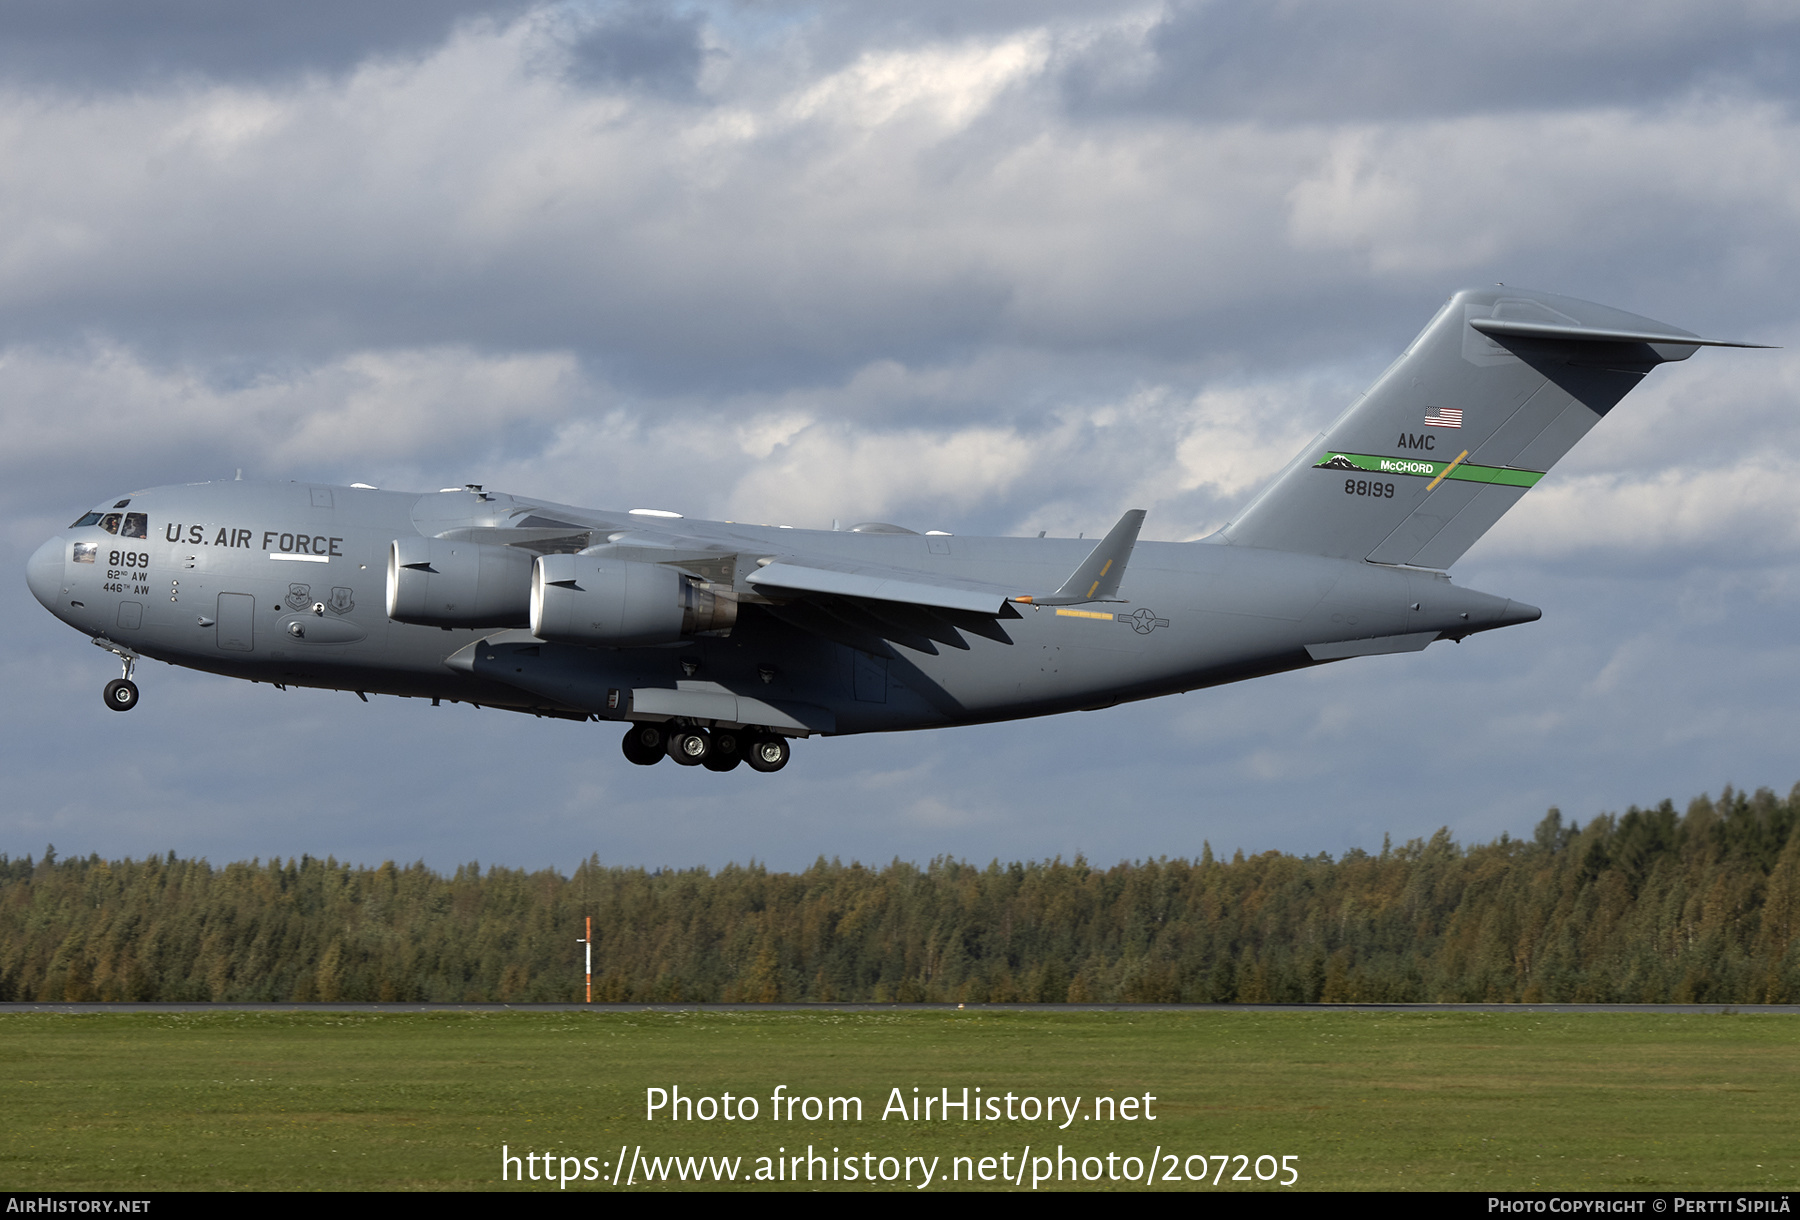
(1377, 1101)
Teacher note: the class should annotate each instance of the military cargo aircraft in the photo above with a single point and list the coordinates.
(718, 642)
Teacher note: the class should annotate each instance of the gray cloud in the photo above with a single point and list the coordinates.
(643, 46)
(1317, 61)
(921, 204)
(120, 45)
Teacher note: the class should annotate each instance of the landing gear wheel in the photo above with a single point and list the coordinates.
(643, 744)
(121, 694)
(689, 747)
(727, 750)
(768, 754)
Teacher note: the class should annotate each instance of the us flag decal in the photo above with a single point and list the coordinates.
(1443, 417)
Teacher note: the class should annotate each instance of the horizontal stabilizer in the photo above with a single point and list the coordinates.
(1508, 328)
(1097, 579)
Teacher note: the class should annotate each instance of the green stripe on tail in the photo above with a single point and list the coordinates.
(1421, 468)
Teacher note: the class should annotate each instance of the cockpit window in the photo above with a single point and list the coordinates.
(87, 519)
(110, 523)
(136, 525)
(123, 503)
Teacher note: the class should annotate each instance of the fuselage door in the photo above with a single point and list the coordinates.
(237, 618)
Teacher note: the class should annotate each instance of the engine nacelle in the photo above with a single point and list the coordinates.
(620, 603)
(439, 583)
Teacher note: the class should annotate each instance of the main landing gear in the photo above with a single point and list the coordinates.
(715, 749)
(643, 744)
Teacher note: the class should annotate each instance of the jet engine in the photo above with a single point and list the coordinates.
(439, 583)
(621, 603)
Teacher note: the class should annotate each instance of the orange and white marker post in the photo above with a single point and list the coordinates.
(588, 940)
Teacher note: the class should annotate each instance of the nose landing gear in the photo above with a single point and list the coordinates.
(121, 694)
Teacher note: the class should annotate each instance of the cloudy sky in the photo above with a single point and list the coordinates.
(987, 269)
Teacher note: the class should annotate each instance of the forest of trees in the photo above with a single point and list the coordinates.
(1648, 906)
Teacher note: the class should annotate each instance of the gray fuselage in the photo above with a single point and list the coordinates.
(287, 583)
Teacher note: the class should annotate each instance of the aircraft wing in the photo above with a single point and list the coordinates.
(875, 581)
(538, 540)
(867, 605)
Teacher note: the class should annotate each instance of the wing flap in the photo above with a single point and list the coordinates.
(876, 583)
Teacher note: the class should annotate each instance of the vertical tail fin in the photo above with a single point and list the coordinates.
(1497, 387)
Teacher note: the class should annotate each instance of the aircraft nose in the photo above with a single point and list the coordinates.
(44, 571)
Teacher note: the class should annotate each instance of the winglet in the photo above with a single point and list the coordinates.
(1097, 579)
